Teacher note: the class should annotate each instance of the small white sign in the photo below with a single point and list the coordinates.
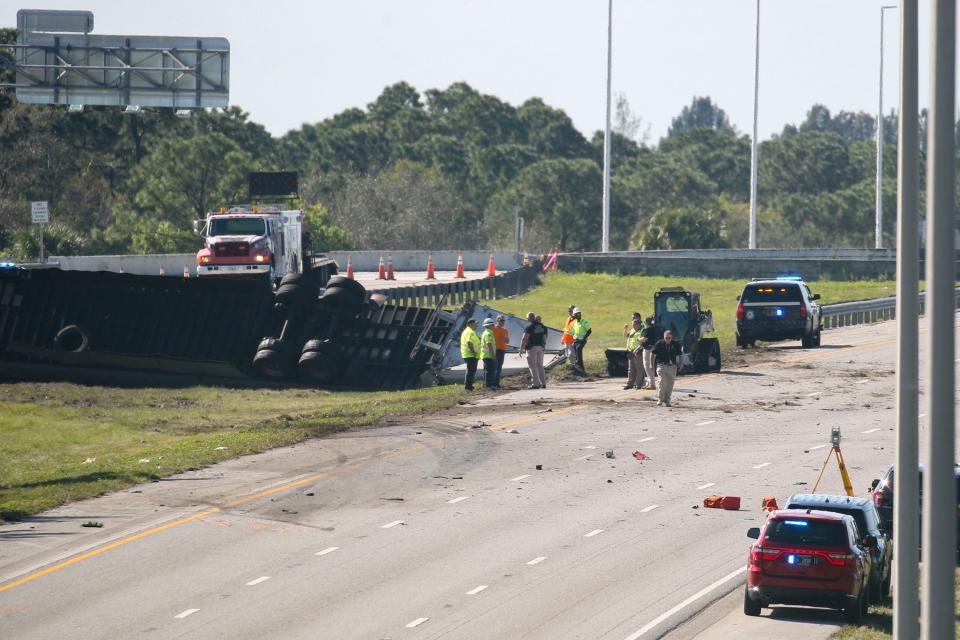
(40, 211)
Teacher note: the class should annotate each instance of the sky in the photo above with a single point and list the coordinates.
(297, 62)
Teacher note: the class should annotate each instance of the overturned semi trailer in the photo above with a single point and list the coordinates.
(316, 329)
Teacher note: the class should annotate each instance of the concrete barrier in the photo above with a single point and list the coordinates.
(173, 263)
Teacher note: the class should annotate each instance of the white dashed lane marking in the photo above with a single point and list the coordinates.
(392, 524)
(537, 560)
(416, 623)
(649, 509)
(593, 533)
(862, 382)
(258, 581)
(648, 439)
(762, 465)
(590, 447)
(456, 500)
(705, 423)
(589, 455)
(326, 551)
(476, 590)
(819, 446)
(815, 393)
(870, 431)
(519, 478)
(706, 486)
(184, 614)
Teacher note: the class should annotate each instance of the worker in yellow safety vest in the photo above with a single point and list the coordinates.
(580, 330)
(634, 351)
(488, 351)
(470, 351)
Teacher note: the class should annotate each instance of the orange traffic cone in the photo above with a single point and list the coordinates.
(390, 275)
(491, 268)
(460, 273)
(381, 272)
(186, 270)
(430, 274)
(350, 267)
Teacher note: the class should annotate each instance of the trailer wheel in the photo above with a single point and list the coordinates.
(273, 344)
(274, 365)
(72, 339)
(323, 362)
(297, 288)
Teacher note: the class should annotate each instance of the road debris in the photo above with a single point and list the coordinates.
(639, 455)
(89, 461)
(539, 467)
(609, 454)
(93, 524)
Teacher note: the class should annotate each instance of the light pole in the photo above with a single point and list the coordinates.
(605, 246)
(906, 610)
(753, 144)
(879, 224)
(939, 487)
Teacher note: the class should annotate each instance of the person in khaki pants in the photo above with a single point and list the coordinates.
(533, 341)
(634, 349)
(667, 354)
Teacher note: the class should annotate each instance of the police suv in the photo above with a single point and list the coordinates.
(781, 308)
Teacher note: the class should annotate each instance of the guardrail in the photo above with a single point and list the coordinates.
(845, 314)
(504, 285)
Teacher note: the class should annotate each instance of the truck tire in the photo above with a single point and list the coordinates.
(855, 609)
(72, 339)
(322, 361)
(297, 288)
(273, 344)
(274, 365)
(344, 296)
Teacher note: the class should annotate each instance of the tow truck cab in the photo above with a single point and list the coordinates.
(261, 242)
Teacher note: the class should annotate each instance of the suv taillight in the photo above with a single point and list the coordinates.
(740, 311)
(840, 559)
(760, 553)
(803, 311)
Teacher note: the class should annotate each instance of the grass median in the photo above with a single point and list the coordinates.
(607, 301)
(878, 624)
(65, 442)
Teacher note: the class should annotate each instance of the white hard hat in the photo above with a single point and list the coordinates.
(488, 322)
(576, 310)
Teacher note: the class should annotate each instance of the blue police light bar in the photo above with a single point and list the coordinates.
(790, 276)
(8, 265)
(779, 312)
(796, 523)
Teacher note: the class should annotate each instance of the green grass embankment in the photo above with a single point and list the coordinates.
(65, 442)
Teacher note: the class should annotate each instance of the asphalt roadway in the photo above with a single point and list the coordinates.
(446, 527)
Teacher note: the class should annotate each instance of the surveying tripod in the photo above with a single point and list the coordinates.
(835, 450)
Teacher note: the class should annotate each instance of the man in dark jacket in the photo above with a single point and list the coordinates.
(667, 354)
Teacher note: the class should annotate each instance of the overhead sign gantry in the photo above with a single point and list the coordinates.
(58, 61)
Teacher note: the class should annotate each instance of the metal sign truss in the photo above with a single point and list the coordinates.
(54, 67)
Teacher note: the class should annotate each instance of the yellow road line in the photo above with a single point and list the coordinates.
(107, 547)
(286, 486)
(538, 417)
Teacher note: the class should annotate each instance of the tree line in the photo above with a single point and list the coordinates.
(442, 169)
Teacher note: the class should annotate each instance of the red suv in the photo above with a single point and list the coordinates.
(809, 557)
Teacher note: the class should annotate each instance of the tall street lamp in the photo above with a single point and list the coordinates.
(879, 221)
(605, 246)
(753, 144)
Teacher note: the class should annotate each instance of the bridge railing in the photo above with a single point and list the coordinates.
(503, 285)
(845, 314)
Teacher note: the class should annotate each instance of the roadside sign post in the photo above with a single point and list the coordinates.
(40, 214)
